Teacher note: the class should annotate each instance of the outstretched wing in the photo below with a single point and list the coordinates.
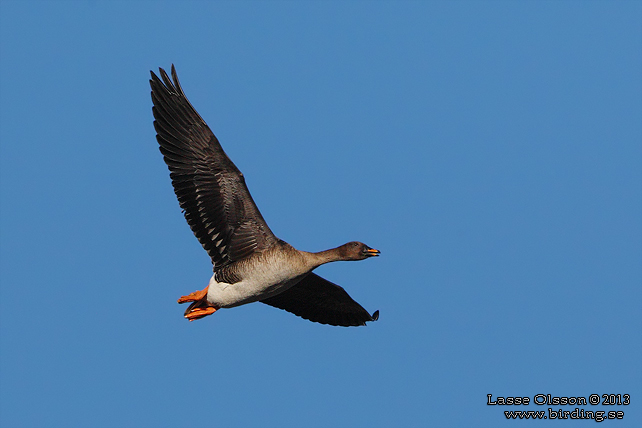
(210, 188)
(319, 300)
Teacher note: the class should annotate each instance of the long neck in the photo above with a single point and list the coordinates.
(323, 257)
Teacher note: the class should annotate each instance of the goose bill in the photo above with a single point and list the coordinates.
(372, 252)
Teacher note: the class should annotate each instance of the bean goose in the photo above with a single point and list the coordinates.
(250, 263)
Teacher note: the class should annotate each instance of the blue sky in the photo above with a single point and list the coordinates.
(491, 150)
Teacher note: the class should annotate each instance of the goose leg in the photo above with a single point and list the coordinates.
(200, 307)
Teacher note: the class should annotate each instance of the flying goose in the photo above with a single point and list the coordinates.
(250, 263)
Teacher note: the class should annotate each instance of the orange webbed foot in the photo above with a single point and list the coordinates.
(195, 296)
(198, 313)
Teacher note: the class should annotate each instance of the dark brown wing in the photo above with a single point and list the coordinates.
(210, 188)
(319, 300)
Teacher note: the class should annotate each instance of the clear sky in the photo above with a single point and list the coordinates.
(492, 150)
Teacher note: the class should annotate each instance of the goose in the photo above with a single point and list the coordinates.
(250, 263)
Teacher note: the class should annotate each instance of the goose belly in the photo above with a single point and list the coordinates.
(266, 284)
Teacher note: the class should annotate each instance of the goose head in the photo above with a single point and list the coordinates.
(356, 251)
